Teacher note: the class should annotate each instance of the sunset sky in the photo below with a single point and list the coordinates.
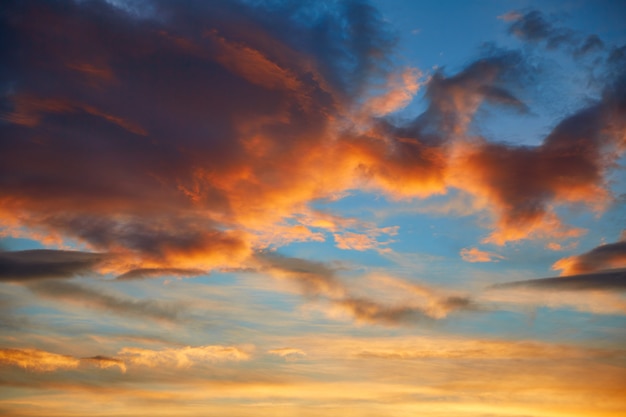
(380, 208)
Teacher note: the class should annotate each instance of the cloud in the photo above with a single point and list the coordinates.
(482, 349)
(370, 311)
(288, 353)
(37, 360)
(374, 299)
(180, 173)
(40, 264)
(604, 280)
(355, 241)
(455, 99)
(196, 181)
(534, 27)
(313, 278)
(390, 301)
(143, 273)
(607, 256)
(477, 255)
(105, 362)
(568, 167)
(72, 293)
(399, 92)
(183, 357)
(42, 361)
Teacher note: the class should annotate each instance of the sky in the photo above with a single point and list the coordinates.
(311, 208)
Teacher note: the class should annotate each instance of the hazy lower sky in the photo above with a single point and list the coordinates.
(312, 208)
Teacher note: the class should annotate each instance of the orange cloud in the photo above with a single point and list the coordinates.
(477, 255)
(399, 91)
(185, 174)
(37, 360)
(183, 357)
(523, 184)
(355, 241)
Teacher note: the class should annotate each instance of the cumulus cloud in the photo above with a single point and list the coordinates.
(569, 167)
(181, 174)
(42, 361)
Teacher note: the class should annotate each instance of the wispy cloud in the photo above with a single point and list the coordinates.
(37, 360)
(82, 295)
(143, 273)
(183, 357)
(287, 352)
(477, 255)
(42, 361)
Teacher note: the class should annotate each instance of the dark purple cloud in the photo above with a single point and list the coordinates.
(604, 280)
(598, 259)
(39, 264)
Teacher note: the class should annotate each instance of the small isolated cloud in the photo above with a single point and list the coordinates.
(355, 241)
(288, 353)
(477, 255)
(510, 16)
(557, 247)
(105, 362)
(37, 360)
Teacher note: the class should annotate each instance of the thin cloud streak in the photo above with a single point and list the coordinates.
(69, 292)
(37, 264)
(601, 280)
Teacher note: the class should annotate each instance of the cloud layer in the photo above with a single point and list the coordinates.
(209, 127)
